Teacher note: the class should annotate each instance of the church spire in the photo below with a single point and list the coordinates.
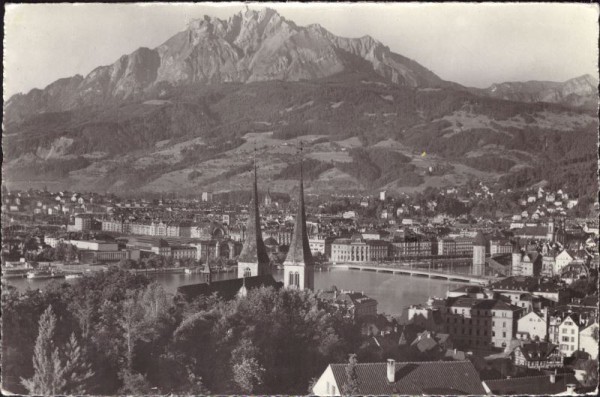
(253, 260)
(298, 271)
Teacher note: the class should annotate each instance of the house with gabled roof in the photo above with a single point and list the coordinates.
(553, 384)
(403, 378)
(537, 355)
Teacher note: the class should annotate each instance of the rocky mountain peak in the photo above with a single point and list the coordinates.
(252, 45)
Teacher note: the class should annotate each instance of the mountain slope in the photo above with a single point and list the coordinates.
(203, 137)
(250, 46)
(581, 91)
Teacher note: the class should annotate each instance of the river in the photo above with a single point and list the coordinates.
(394, 292)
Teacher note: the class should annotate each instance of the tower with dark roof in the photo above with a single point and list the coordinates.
(298, 267)
(479, 254)
(253, 260)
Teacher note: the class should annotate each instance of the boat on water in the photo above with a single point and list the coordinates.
(45, 274)
(73, 276)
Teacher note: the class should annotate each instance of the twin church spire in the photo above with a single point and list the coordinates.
(297, 267)
(254, 260)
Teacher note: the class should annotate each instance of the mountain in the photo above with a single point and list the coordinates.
(188, 115)
(250, 46)
(581, 91)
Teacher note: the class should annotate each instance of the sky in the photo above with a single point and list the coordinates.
(472, 44)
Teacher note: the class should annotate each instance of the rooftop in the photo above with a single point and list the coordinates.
(414, 378)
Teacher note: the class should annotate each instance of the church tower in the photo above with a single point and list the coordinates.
(298, 267)
(479, 254)
(253, 260)
(550, 232)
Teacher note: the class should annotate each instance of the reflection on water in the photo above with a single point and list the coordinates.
(393, 292)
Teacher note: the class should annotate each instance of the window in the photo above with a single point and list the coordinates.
(504, 334)
(493, 323)
(333, 391)
(503, 324)
(572, 339)
(565, 338)
(572, 332)
(247, 272)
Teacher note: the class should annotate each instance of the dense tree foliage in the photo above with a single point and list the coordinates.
(137, 339)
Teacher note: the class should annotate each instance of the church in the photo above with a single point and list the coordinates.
(253, 263)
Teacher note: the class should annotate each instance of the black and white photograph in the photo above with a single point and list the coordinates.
(300, 199)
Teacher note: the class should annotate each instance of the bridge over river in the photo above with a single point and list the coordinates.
(450, 276)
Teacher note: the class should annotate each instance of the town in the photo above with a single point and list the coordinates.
(300, 199)
(525, 318)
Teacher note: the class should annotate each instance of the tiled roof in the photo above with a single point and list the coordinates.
(537, 351)
(531, 385)
(440, 377)
(227, 289)
(479, 240)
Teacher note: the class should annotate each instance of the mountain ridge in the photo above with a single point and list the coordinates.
(580, 91)
(250, 46)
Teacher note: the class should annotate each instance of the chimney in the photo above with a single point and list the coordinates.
(391, 370)
(571, 388)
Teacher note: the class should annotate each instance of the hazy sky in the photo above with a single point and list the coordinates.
(472, 44)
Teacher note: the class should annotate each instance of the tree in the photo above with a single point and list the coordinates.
(247, 371)
(47, 379)
(76, 370)
(350, 388)
(51, 375)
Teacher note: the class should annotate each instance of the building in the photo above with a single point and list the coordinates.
(514, 287)
(413, 248)
(480, 323)
(108, 256)
(298, 267)
(537, 355)
(500, 247)
(321, 245)
(568, 335)
(588, 343)
(527, 264)
(254, 259)
(355, 305)
(83, 222)
(403, 378)
(268, 199)
(563, 259)
(533, 326)
(479, 255)
(94, 245)
(356, 249)
(207, 197)
(545, 385)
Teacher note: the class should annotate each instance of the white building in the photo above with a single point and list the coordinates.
(568, 336)
(562, 260)
(587, 342)
(94, 245)
(533, 325)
